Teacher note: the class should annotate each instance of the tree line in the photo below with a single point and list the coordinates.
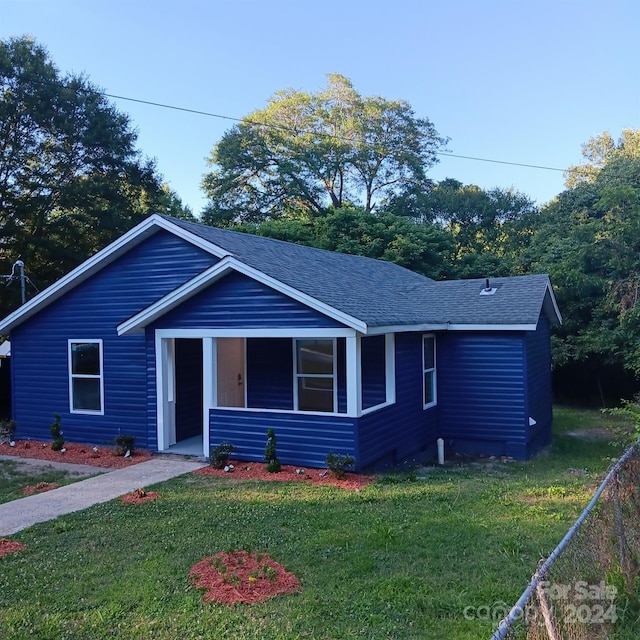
(335, 170)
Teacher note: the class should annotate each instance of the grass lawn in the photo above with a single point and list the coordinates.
(400, 559)
(15, 476)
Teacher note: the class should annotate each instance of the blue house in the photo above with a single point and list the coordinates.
(183, 333)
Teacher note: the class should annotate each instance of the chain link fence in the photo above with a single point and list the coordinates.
(588, 587)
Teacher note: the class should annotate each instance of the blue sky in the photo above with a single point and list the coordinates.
(513, 80)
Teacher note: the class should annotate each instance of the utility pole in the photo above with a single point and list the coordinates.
(20, 265)
(17, 273)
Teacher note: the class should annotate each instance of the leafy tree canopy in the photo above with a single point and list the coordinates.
(588, 240)
(71, 180)
(600, 151)
(488, 228)
(384, 236)
(312, 151)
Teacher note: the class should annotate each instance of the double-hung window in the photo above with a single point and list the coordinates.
(315, 375)
(429, 370)
(86, 385)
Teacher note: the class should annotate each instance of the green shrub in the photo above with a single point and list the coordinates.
(339, 463)
(219, 455)
(124, 442)
(273, 464)
(56, 432)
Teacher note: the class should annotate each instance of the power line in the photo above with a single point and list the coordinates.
(515, 164)
(274, 126)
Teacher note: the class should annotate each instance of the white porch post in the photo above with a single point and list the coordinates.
(208, 389)
(354, 376)
(165, 390)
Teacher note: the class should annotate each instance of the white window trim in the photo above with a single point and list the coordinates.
(72, 376)
(332, 376)
(434, 369)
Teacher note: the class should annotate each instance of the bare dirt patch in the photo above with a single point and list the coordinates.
(241, 576)
(104, 457)
(258, 471)
(139, 496)
(9, 546)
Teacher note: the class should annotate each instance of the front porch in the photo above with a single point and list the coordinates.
(310, 386)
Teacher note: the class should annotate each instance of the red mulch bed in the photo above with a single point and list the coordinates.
(139, 496)
(258, 471)
(9, 546)
(105, 457)
(39, 488)
(241, 576)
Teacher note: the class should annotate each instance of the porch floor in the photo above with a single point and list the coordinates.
(188, 447)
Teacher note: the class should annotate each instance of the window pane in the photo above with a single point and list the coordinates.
(315, 394)
(429, 359)
(86, 394)
(85, 358)
(315, 356)
(429, 392)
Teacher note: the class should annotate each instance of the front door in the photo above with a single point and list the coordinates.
(231, 372)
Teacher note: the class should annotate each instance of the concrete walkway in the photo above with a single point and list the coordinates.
(25, 512)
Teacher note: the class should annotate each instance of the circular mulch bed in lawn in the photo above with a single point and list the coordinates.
(39, 488)
(104, 457)
(241, 576)
(139, 496)
(9, 546)
(258, 471)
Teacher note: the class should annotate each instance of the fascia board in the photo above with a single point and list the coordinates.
(554, 303)
(492, 327)
(405, 328)
(136, 323)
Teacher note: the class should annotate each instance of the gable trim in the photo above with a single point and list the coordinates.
(101, 259)
(138, 322)
(550, 305)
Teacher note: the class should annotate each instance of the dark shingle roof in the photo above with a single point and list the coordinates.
(382, 293)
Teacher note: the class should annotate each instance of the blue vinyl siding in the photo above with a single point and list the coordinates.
(539, 393)
(93, 310)
(481, 393)
(270, 373)
(301, 439)
(403, 430)
(239, 301)
(374, 386)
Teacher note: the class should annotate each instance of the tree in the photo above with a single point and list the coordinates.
(588, 240)
(488, 228)
(71, 180)
(309, 152)
(599, 151)
(385, 236)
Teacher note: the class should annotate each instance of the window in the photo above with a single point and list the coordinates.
(429, 370)
(85, 376)
(315, 387)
